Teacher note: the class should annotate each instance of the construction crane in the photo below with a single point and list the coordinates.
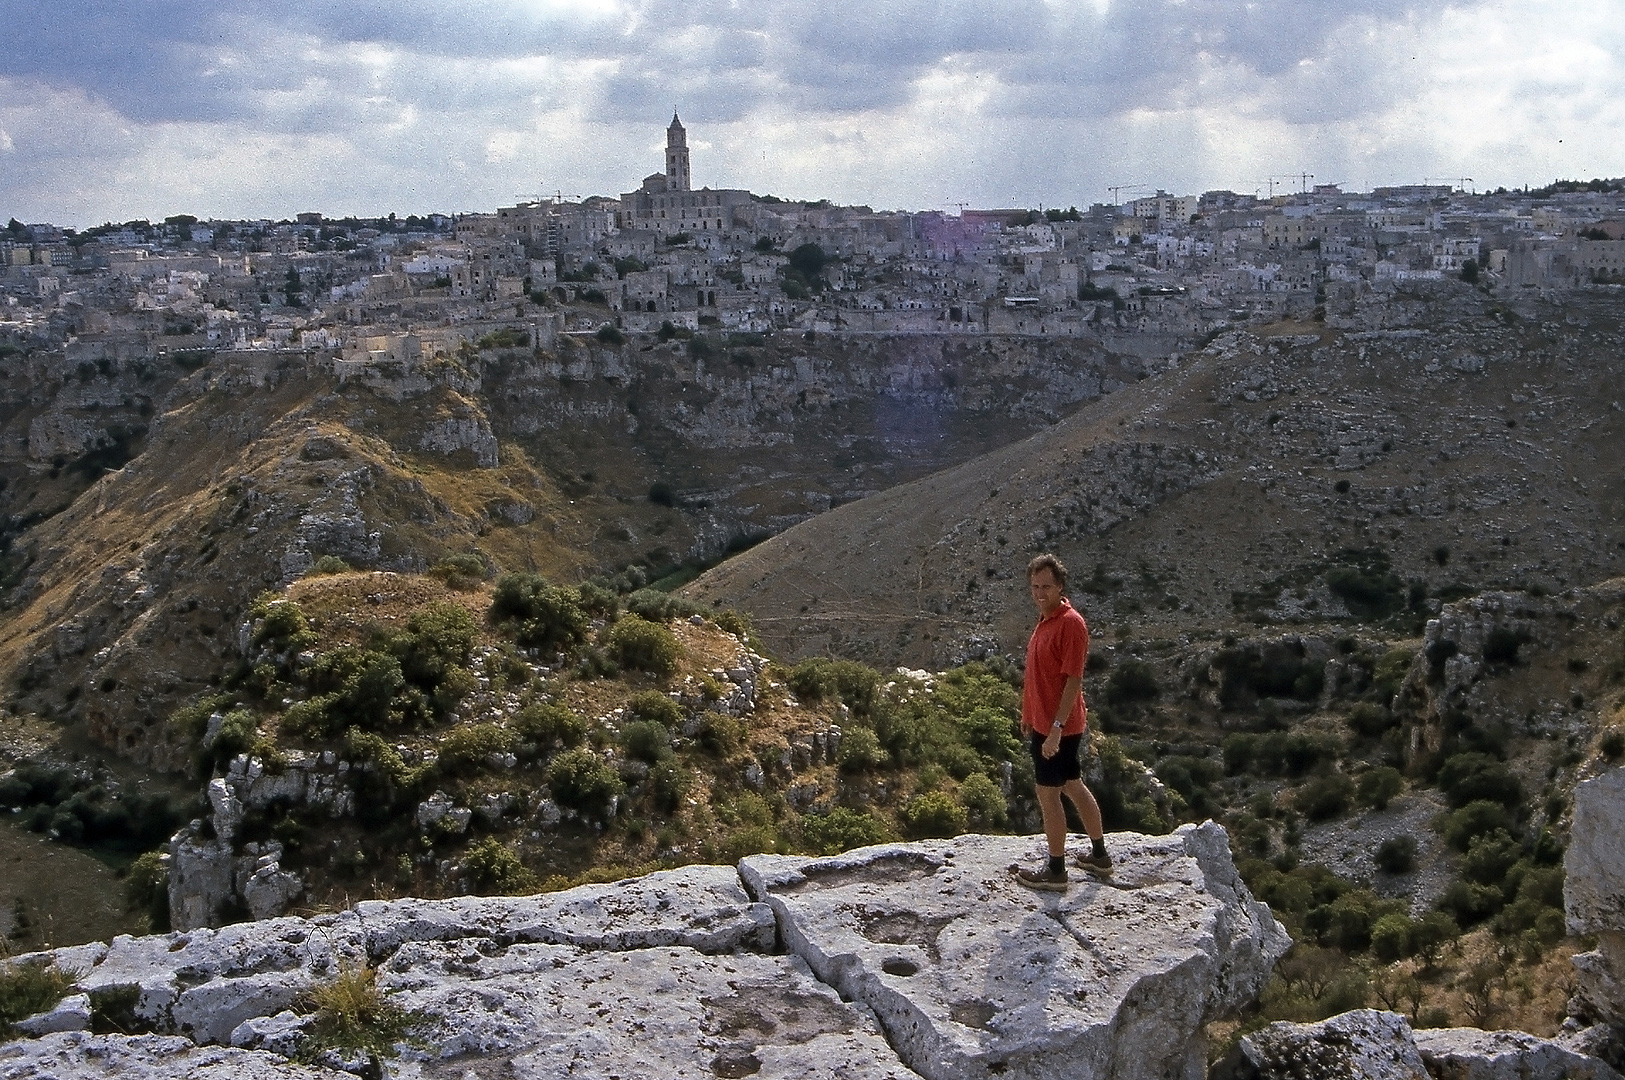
(1303, 182)
(1118, 189)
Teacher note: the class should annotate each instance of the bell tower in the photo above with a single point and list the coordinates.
(676, 156)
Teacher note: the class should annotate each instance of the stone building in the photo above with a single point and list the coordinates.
(666, 203)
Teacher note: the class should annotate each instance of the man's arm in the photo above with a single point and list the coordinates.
(1069, 698)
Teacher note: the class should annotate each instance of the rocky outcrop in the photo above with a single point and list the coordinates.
(1377, 1045)
(888, 962)
(1471, 1054)
(1594, 895)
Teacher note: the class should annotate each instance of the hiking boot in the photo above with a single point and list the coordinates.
(1095, 864)
(1045, 878)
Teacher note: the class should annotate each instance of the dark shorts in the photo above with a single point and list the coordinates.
(1065, 765)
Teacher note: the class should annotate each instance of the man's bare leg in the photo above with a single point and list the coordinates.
(1049, 804)
(1084, 801)
(1096, 859)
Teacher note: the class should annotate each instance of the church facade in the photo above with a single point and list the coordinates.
(666, 202)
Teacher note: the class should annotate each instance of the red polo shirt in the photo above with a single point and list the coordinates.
(1058, 650)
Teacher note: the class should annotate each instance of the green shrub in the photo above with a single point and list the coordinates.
(1470, 903)
(282, 624)
(739, 625)
(494, 869)
(1123, 793)
(368, 748)
(1473, 776)
(538, 614)
(1430, 933)
(841, 829)
(1278, 753)
(722, 734)
(991, 732)
(1192, 777)
(146, 890)
(549, 726)
(660, 607)
(462, 572)
(1371, 721)
(1310, 984)
(1396, 855)
(855, 685)
(362, 688)
(1612, 744)
(1489, 857)
(1131, 681)
(669, 785)
(983, 802)
(468, 748)
(1325, 796)
(750, 840)
(583, 781)
(655, 706)
(645, 646)
(312, 717)
(933, 814)
(326, 565)
(437, 640)
(26, 989)
(238, 731)
(1366, 585)
(599, 600)
(190, 723)
(860, 750)
(1380, 786)
(1391, 937)
(455, 685)
(1477, 818)
(646, 740)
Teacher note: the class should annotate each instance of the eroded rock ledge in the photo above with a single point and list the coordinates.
(893, 961)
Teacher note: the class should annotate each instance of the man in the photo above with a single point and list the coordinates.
(1053, 721)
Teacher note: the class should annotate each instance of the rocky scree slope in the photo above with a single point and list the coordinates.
(924, 959)
(1290, 475)
(148, 503)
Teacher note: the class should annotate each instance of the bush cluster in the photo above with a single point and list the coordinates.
(1278, 669)
(78, 810)
(537, 613)
(1278, 753)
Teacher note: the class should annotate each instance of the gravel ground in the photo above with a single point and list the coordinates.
(1347, 846)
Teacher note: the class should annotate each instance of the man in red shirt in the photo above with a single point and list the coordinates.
(1053, 720)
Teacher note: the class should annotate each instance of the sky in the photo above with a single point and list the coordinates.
(127, 109)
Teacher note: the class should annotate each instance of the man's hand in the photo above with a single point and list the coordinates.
(1052, 742)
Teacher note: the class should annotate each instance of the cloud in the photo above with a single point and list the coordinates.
(418, 105)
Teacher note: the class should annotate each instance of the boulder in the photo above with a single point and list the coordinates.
(1594, 894)
(1365, 1043)
(81, 1056)
(200, 879)
(970, 973)
(1472, 1054)
(72, 1013)
(902, 960)
(538, 1011)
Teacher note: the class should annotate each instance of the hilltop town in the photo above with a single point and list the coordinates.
(392, 290)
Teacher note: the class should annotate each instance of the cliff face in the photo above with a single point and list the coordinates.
(146, 504)
(1266, 478)
(924, 959)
